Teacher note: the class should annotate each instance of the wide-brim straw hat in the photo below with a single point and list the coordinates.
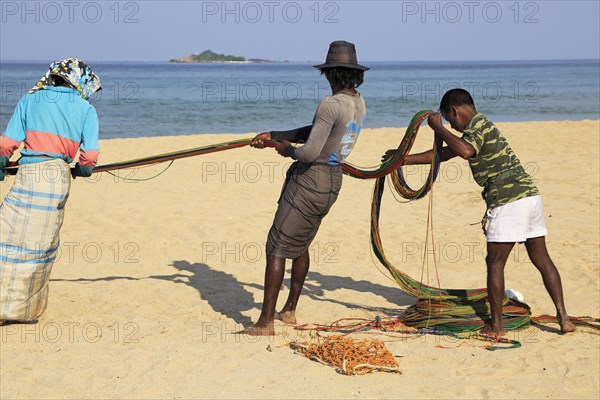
(341, 54)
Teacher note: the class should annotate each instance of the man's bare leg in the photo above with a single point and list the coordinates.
(538, 254)
(300, 267)
(273, 279)
(497, 254)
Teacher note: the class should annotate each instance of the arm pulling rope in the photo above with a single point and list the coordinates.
(384, 168)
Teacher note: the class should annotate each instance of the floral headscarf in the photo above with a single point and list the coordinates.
(76, 73)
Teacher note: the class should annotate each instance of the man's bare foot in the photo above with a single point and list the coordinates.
(566, 325)
(494, 332)
(288, 317)
(255, 330)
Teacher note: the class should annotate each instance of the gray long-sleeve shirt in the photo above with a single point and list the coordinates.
(331, 137)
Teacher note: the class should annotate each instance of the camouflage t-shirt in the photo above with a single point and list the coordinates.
(495, 166)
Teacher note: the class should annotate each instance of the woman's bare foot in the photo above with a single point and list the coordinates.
(495, 332)
(288, 317)
(256, 330)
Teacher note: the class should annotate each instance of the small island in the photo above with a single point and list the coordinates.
(209, 56)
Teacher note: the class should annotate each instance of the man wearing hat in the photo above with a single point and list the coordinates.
(313, 182)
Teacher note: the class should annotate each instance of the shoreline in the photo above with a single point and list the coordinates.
(249, 134)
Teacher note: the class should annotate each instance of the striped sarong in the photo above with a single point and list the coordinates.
(31, 216)
(307, 196)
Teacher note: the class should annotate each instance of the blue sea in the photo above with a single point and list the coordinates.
(158, 99)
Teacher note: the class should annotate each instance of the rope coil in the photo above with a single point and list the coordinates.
(349, 356)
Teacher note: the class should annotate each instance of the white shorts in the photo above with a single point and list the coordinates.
(517, 221)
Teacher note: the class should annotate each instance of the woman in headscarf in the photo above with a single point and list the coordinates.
(54, 120)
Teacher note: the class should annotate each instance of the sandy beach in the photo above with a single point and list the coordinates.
(155, 277)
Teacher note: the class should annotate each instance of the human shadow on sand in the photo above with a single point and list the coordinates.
(224, 293)
(231, 297)
(318, 287)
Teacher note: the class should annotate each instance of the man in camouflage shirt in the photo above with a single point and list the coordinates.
(514, 206)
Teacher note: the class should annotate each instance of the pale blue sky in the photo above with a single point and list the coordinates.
(299, 30)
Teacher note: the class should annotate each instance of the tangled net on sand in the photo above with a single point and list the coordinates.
(350, 357)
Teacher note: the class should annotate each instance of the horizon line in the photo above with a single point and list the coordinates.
(310, 62)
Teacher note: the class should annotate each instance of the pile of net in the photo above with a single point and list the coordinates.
(348, 356)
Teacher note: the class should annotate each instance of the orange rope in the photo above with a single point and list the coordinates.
(350, 356)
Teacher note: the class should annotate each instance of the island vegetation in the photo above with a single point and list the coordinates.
(208, 56)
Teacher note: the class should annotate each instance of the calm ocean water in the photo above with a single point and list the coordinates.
(157, 99)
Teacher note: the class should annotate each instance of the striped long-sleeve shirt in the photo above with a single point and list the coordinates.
(53, 123)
